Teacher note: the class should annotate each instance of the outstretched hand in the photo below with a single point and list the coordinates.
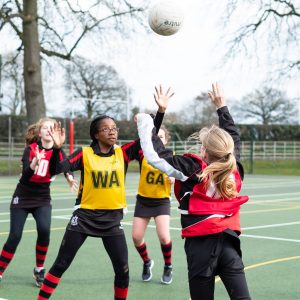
(161, 98)
(37, 158)
(73, 183)
(58, 135)
(217, 96)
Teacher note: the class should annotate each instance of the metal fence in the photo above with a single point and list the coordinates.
(256, 150)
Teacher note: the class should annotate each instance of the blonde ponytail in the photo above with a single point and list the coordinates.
(219, 147)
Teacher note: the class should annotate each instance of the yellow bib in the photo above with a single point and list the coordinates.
(153, 183)
(104, 180)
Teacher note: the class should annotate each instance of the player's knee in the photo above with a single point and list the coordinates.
(137, 239)
(60, 266)
(44, 233)
(122, 276)
(14, 240)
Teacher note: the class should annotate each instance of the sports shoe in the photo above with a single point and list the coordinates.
(167, 275)
(147, 274)
(39, 276)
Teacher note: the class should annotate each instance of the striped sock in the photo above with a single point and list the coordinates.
(5, 258)
(120, 293)
(40, 254)
(167, 253)
(48, 286)
(142, 250)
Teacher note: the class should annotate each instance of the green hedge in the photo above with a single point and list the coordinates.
(178, 131)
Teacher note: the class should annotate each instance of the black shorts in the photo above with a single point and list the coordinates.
(207, 254)
(150, 207)
(97, 223)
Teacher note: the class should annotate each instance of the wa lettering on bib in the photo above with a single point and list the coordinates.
(104, 180)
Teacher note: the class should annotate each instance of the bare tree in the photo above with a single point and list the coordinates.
(13, 100)
(274, 23)
(56, 28)
(200, 110)
(267, 106)
(98, 88)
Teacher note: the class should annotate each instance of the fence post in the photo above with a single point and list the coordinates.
(252, 143)
(9, 145)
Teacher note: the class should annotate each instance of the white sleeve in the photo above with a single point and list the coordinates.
(145, 126)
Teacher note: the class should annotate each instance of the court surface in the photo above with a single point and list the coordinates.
(270, 244)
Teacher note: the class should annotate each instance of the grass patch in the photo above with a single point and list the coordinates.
(274, 167)
(10, 167)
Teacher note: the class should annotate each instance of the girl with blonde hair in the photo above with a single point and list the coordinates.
(207, 187)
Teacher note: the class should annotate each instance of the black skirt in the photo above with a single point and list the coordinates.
(151, 207)
(97, 223)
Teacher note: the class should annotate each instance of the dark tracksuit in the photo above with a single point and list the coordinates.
(208, 253)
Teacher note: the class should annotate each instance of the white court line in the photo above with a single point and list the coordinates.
(269, 238)
(275, 195)
(71, 210)
(271, 225)
(253, 202)
(243, 235)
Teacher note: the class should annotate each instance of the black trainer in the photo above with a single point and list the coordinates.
(167, 275)
(39, 276)
(147, 273)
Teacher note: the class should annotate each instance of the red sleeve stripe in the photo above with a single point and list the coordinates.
(60, 156)
(75, 157)
(125, 156)
(124, 148)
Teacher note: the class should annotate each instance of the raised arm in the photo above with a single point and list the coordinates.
(162, 100)
(225, 119)
(153, 147)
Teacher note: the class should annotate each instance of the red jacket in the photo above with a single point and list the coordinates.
(221, 213)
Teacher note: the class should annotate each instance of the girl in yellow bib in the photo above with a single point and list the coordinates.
(153, 200)
(100, 201)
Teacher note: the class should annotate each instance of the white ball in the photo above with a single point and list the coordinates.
(166, 17)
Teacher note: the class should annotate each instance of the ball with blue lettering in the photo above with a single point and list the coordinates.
(166, 17)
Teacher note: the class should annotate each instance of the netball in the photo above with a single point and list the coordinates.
(166, 17)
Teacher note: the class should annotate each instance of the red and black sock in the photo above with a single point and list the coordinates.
(167, 253)
(40, 254)
(120, 293)
(5, 258)
(48, 286)
(142, 250)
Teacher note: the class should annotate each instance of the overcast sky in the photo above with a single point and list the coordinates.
(189, 61)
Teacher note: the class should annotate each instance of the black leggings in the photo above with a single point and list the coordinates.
(202, 288)
(115, 246)
(18, 216)
(229, 266)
